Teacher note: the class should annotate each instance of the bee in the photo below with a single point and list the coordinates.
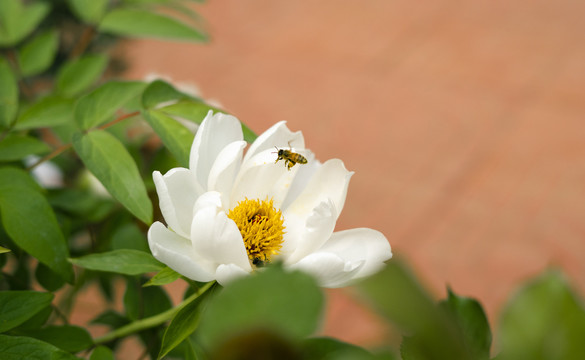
(290, 158)
(259, 262)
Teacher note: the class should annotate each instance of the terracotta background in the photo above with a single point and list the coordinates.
(463, 122)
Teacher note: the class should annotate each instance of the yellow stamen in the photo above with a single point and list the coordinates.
(262, 228)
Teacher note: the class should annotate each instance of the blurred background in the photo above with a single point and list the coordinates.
(463, 122)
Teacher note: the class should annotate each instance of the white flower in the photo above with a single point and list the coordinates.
(229, 213)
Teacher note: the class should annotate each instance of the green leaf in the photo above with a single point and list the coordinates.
(129, 236)
(469, 315)
(545, 320)
(18, 306)
(128, 262)
(8, 94)
(18, 21)
(158, 92)
(21, 347)
(286, 303)
(3, 250)
(46, 112)
(79, 74)
(176, 137)
(327, 348)
(38, 54)
(163, 277)
(90, 11)
(47, 278)
(141, 23)
(182, 325)
(30, 222)
(98, 106)
(17, 147)
(66, 337)
(111, 163)
(102, 353)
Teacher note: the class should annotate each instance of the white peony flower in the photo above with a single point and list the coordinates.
(230, 214)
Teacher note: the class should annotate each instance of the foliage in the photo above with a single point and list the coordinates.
(60, 105)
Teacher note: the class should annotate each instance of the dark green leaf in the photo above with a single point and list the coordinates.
(79, 74)
(30, 222)
(48, 278)
(176, 137)
(102, 353)
(37, 55)
(21, 347)
(47, 112)
(18, 306)
(36, 321)
(129, 236)
(66, 337)
(140, 23)
(111, 318)
(332, 349)
(128, 262)
(90, 11)
(17, 21)
(98, 106)
(131, 299)
(111, 163)
(545, 320)
(163, 277)
(158, 92)
(8, 94)
(17, 147)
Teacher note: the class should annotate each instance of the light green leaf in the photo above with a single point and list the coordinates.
(159, 92)
(124, 261)
(16, 147)
(102, 353)
(98, 106)
(22, 347)
(79, 74)
(176, 137)
(18, 306)
(66, 337)
(141, 23)
(90, 11)
(111, 163)
(30, 222)
(163, 277)
(8, 94)
(47, 112)
(4, 250)
(18, 21)
(37, 55)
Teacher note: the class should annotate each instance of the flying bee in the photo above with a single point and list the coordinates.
(259, 262)
(290, 158)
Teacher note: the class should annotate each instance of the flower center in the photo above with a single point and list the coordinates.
(262, 228)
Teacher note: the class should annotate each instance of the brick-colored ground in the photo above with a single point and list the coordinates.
(464, 122)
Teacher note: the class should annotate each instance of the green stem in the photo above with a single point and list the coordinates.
(152, 321)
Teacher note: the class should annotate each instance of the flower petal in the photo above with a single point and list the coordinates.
(215, 236)
(177, 192)
(329, 269)
(226, 273)
(216, 132)
(177, 253)
(224, 170)
(362, 244)
(277, 135)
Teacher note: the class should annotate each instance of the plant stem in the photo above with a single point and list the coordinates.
(84, 40)
(152, 321)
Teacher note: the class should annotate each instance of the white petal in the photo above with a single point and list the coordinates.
(224, 170)
(177, 192)
(215, 133)
(361, 244)
(215, 236)
(226, 273)
(302, 178)
(277, 135)
(329, 269)
(177, 253)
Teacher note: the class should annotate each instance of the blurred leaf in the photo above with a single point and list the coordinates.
(545, 320)
(159, 92)
(17, 147)
(163, 277)
(66, 337)
(176, 137)
(21, 347)
(469, 315)
(18, 306)
(98, 106)
(47, 278)
(131, 299)
(79, 74)
(18, 21)
(46, 112)
(8, 93)
(128, 262)
(111, 163)
(155, 300)
(30, 222)
(111, 318)
(38, 54)
(35, 321)
(332, 349)
(90, 11)
(285, 303)
(140, 23)
(102, 353)
(129, 236)
(5, 250)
